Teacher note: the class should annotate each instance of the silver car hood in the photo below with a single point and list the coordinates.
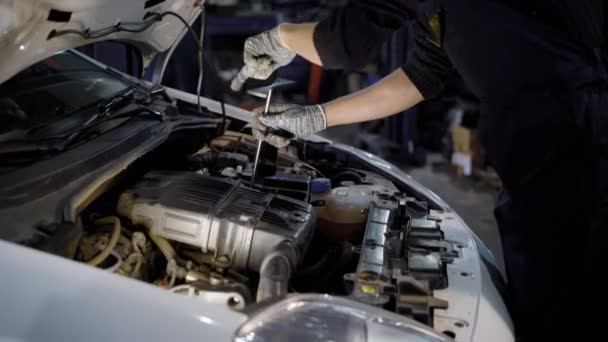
(27, 27)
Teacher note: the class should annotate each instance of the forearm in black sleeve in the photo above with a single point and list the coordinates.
(353, 36)
(428, 66)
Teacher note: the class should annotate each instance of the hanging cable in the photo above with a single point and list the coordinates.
(201, 42)
(205, 61)
(199, 48)
(119, 27)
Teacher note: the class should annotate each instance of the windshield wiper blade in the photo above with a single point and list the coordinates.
(122, 100)
(119, 101)
(20, 152)
(114, 103)
(123, 106)
(104, 108)
(86, 130)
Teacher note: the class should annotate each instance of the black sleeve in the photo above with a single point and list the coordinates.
(428, 65)
(353, 36)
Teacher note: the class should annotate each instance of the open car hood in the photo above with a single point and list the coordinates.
(32, 30)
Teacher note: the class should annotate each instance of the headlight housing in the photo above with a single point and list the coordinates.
(310, 318)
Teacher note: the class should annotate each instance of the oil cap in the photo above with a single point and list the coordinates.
(320, 186)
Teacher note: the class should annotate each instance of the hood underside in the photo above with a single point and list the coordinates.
(29, 28)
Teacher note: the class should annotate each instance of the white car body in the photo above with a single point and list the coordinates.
(40, 305)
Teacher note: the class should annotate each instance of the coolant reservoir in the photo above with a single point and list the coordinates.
(344, 215)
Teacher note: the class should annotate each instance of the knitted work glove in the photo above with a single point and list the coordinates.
(263, 54)
(300, 121)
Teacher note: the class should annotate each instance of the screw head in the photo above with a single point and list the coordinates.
(224, 259)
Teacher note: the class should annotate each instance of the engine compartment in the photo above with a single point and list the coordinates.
(233, 223)
(310, 223)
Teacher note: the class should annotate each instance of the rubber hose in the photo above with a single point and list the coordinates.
(275, 272)
(113, 239)
(117, 264)
(164, 246)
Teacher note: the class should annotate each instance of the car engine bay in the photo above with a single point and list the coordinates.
(312, 222)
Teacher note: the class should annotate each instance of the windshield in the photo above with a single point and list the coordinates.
(59, 93)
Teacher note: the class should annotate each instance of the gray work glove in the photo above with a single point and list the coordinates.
(263, 54)
(298, 120)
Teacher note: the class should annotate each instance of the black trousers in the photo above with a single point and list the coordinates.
(553, 218)
(544, 124)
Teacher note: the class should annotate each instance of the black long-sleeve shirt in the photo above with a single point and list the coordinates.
(352, 36)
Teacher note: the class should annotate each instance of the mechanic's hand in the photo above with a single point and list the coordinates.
(263, 54)
(298, 120)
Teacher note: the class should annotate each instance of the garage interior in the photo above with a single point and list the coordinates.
(435, 142)
(133, 169)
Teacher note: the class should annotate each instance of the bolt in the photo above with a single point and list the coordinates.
(233, 302)
(223, 259)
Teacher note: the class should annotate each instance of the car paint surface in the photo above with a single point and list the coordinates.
(48, 298)
(25, 26)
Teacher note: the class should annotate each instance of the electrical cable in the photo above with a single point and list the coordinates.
(203, 60)
(199, 48)
(119, 27)
(117, 264)
(215, 71)
(201, 42)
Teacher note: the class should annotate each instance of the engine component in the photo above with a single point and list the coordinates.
(403, 259)
(360, 177)
(232, 299)
(105, 252)
(319, 187)
(265, 161)
(216, 162)
(128, 256)
(236, 224)
(343, 214)
(290, 184)
(276, 271)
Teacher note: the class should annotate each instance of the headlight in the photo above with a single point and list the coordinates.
(310, 318)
